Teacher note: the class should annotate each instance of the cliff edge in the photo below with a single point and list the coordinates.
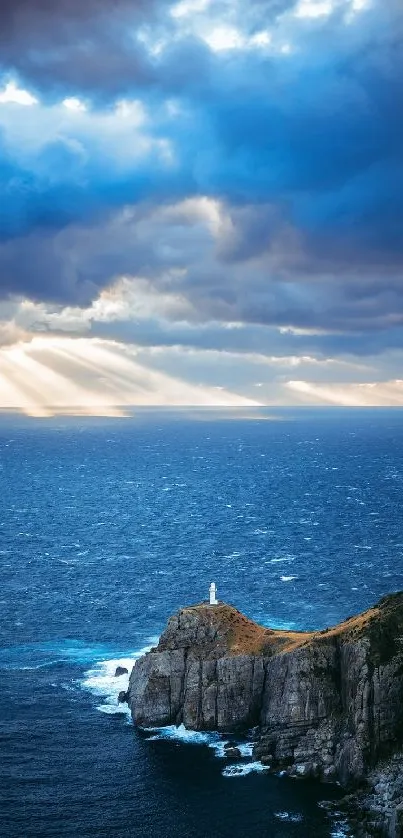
(326, 704)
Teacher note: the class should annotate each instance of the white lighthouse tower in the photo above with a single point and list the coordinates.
(213, 592)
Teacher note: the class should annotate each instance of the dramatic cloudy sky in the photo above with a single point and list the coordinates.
(201, 202)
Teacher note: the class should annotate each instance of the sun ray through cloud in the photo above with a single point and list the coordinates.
(229, 181)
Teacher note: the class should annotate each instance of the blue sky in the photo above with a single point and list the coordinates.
(201, 202)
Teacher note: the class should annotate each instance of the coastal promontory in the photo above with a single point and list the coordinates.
(325, 704)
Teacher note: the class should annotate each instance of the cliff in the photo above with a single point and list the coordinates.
(326, 704)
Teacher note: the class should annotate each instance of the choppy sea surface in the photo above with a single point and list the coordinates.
(109, 526)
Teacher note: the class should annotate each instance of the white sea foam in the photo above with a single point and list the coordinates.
(216, 741)
(281, 559)
(245, 749)
(220, 748)
(288, 578)
(113, 710)
(289, 817)
(181, 733)
(189, 737)
(241, 769)
(102, 682)
(340, 830)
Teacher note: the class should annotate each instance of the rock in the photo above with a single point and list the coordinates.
(121, 670)
(396, 822)
(233, 753)
(324, 704)
(123, 697)
(207, 672)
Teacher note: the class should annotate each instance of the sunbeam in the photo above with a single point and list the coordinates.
(48, 376)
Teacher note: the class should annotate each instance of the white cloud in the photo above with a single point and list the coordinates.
(221, 38)
(356, 6)
(11, 333)
(154, 45)
(367, 394)
(224, 38)
(122, 134)
(208, 211)
(17, 95)
(310, 8)
(130, 299)
(187, 8)
(132, 110)
(74, 104)
(261, 39)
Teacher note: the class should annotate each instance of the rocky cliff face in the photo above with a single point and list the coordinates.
(326, 704)
(207, 672)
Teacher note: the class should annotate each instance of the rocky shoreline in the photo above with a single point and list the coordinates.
(325, 704)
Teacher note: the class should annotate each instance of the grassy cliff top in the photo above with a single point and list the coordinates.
(223, 630)
(382, 625)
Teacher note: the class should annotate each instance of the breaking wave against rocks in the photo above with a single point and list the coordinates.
(95, 556)
(243, 769)
(187, 737)
(102, 682)
(216, 741)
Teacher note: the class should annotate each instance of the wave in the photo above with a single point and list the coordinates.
(182, 734)
(245, 748)
(102, 682)
(216, 741)
(281, 559)
(241, 769)
(340, 830)
(289, 817)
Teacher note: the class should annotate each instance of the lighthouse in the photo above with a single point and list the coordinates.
(213, 592)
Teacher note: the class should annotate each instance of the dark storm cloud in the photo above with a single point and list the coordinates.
(57, 44)
(93, 46)
(305, 151)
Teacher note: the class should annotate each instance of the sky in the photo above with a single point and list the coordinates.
(201, 203)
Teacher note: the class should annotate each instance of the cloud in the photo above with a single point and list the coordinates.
(12, 93)
(304, 152)
(188, 288)
(10, 333)
(59, 44)
(51, 376)
(368, 394)
(230, 179)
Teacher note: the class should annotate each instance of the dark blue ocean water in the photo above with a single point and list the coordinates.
(106, 528)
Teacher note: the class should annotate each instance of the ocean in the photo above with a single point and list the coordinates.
(107, 527)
